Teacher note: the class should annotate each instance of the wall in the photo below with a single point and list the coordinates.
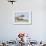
(9, 31)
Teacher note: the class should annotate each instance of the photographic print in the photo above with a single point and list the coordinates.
(22, 17)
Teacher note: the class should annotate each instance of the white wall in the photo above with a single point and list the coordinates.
(9, 31)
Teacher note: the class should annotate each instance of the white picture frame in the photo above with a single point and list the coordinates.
(22, 17)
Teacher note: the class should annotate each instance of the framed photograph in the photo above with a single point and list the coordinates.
(22, 17)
